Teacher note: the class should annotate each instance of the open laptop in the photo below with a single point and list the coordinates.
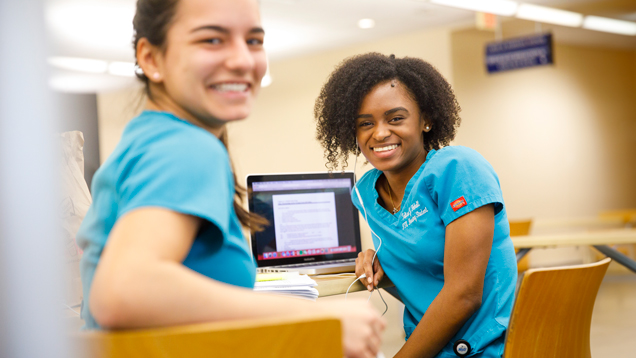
(314, 226)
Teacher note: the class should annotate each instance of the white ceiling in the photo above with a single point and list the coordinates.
(300, 27)
(102, 29)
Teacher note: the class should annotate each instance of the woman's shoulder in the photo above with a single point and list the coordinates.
(162, 133)
(163, 127)
(159, 144)
(456, 162)
(368, 179)
(454, 153)
(455, 156)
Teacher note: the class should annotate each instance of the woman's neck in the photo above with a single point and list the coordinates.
(398, 180)
(162, 102)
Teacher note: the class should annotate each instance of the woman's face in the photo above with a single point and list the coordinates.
(214, 60)
(389, 128)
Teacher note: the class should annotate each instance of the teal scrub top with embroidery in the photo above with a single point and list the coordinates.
(163, 161)
(452, 182)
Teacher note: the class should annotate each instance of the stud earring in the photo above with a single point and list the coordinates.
(427, 127)
(156, 75)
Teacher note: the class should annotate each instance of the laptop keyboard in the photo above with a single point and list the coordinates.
(318, 264)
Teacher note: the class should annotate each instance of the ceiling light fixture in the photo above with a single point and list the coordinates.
(88, 82)
(366, 23)
(610, 25)
(497, 7)
(79, 64)
(549, 15)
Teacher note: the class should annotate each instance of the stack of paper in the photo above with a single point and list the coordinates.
(287, 283)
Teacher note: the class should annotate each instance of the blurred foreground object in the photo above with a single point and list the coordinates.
(307, 337)
(31, 323)
(76, 199)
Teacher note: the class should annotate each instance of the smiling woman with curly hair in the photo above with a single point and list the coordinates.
(436, 211)
(339, 101)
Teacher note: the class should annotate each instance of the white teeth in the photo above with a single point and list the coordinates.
(231, 87)
(384, 149)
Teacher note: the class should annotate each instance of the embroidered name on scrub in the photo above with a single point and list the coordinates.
(410, 216)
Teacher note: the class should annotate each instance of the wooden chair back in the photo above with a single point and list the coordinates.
(520, 228)
(263, 338)
(627, 216)
(552, 313)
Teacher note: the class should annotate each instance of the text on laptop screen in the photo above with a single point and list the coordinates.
(308, 218)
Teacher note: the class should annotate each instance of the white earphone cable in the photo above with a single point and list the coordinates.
(364, 210)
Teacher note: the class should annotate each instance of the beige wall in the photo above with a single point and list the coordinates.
(280, 134)
(563, 137)
(114, 111)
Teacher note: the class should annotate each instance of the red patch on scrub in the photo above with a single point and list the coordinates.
(458, 204)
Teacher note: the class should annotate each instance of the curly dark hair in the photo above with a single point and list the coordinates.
(340, 98)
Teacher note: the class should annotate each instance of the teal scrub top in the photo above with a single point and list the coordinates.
(163, 161)
(452, 182)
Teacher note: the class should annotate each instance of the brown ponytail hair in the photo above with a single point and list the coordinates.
(152, 21)
(249, 220)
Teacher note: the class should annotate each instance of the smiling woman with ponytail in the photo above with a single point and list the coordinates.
(162, 241)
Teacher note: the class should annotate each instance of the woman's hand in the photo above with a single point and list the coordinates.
(362, 327)
(371, 268)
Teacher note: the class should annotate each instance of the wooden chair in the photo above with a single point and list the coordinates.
(519, 228)
(627, 216)
(552, 313)
(309, 336)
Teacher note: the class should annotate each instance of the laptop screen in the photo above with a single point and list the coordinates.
(311, 216)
